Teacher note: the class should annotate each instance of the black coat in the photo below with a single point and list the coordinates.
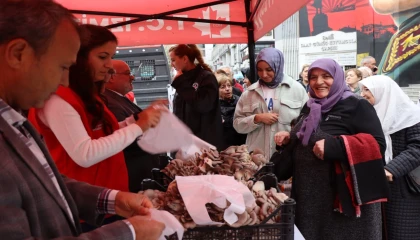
(300, 80)
(403, 207)
(231, 136)
(139, 163)
(196, 103)
(314, 179)
(236, 91)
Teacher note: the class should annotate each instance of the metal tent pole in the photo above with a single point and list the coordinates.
(251, 40)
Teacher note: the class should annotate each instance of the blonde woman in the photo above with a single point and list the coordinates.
(353, 76)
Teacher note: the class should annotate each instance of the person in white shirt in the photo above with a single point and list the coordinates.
(83, 136)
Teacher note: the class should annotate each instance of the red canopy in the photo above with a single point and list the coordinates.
(144, 22)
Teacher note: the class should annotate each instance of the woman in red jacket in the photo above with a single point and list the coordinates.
(83, 136)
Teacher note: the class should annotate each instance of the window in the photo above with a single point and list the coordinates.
(147, 69)
(347, 67)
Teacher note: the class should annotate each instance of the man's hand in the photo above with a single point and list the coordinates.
(266, 118)
(146, 228)
(149, 117)
(132, 204)
(319, 149)
(282, 138)
(389, 176)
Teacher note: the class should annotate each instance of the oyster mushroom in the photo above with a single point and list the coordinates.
(259, 159)
(254, 218)
(258, 186)
(264, 209)
(242, 148)
(239, 175)
(214, 153)
(242, 218)
(230, 150)
(258, 151)
(189, 225)
(230, 160)
(278, 197)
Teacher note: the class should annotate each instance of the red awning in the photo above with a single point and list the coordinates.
(145, 22)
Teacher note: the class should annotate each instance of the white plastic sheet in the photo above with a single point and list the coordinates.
(196, 191)
(172, 225)
(169, 135)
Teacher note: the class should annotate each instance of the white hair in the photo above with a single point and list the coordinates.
(230, 70)
(366, 59)
(366, 72)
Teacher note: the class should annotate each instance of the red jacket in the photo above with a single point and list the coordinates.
(130, 95)
(238, 86)
(110, 173)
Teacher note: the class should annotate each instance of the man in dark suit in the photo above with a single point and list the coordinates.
(139, 163)
(39, 41)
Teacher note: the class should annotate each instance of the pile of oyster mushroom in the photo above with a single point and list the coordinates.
(267, 201)
(234, 161)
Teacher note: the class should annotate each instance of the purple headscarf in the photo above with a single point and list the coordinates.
(338, 91)
(275, 59)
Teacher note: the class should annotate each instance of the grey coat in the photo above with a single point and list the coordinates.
(289, 99)
(403, 207)
(30, 204)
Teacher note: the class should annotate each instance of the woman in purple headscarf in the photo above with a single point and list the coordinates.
(316, 147)
(270, 104)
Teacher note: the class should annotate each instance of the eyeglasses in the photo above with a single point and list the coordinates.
(126, 73)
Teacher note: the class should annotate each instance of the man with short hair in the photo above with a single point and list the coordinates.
(369, 62)
(139, 163)
(39, 41)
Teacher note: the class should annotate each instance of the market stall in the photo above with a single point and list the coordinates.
(144, 22)
(210, 179)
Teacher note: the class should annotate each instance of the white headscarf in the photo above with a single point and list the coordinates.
(394, 108)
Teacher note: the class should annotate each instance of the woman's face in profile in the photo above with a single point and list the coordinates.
(247, 82)
(367, 94)
(265, 72)
(304, 74)
(100, 60)
(352, 78)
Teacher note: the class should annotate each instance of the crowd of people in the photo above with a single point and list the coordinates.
(350, 141)
(325, 126)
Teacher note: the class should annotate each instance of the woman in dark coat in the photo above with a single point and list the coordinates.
(317, 146)
(196, 101)
(400, 119)
(228, 102)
